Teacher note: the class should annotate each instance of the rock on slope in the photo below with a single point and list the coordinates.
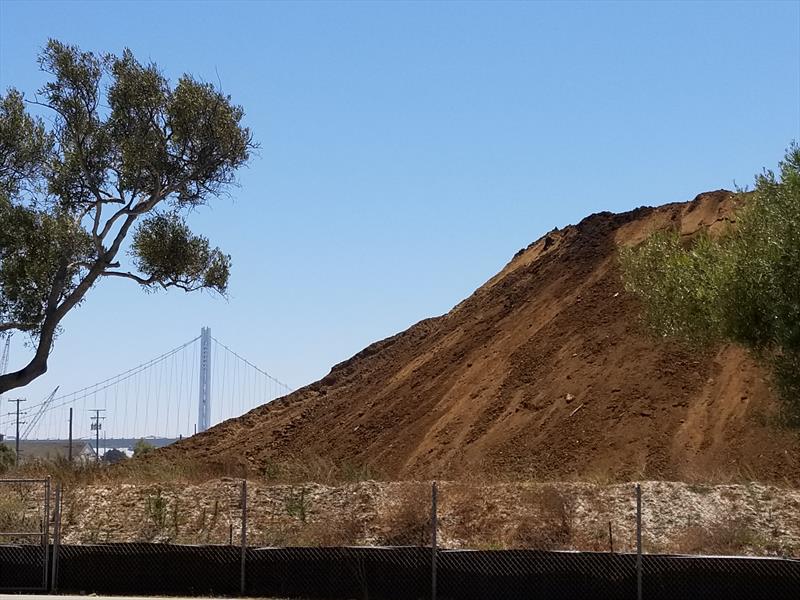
(544, 372)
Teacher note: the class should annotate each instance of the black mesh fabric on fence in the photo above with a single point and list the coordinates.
(391, 573)
(511, 574)
(400, 573)
(720, 577)
(149, 569)
(518, 574)
(22, 568)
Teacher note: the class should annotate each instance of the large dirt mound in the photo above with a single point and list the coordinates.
(544, 372)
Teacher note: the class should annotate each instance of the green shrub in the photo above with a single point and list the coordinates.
(7, 457)
(142, 448)
(741, 287)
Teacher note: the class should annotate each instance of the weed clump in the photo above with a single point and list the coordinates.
(407, 521)
(551, 524)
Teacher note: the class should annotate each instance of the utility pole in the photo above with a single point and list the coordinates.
(18, 401)
(96, 427)
(69, 455)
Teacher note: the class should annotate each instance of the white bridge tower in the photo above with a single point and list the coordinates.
(204, 406)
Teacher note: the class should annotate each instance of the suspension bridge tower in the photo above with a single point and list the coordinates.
(204, 404)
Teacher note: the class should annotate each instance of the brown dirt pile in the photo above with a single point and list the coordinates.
(545, 372)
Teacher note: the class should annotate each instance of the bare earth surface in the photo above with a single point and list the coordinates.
(543, 373)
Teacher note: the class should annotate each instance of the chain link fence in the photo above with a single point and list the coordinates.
(24, 533)
(404, 573)
(409, 541)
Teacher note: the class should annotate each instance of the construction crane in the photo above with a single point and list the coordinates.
(4, 357)
(38, 416)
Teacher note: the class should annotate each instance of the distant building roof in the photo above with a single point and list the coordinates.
(50, 449)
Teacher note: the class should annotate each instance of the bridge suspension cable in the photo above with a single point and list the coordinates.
(277, 382)
(112, 381)
(159, 397)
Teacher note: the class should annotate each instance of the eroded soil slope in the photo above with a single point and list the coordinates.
(544, 372)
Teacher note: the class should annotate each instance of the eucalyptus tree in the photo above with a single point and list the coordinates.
(97, 173)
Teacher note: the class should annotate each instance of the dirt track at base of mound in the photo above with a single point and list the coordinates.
(544, 372)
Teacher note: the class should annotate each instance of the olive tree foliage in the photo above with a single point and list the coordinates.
(121, 154)
(7, 458)
(141, 448)
(741, 287)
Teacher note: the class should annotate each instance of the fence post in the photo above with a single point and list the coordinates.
(56, 540)
(46, 535)
(244, 536)
(638, 541)
(434, 539)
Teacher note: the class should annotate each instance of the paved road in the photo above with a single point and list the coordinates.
(58, 597)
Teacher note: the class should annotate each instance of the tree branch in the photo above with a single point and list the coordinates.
(186, 287)
(37, 366)
(136, 278)
(125, 210)
(182, 285)
(17, 326)
(45, 105)
(98, 241)
(89, 264)
(152, 280)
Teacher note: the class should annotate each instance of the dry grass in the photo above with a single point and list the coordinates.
(12, 512)
(472, 515)
(122, 504)
(407, 520)
(154, 468)
(551, 525)
(21, 510)
(345, 530)
(730, 536)
(312, 468)
(141, 471)
(297, 516)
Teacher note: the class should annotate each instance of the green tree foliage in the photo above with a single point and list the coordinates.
(7, 457)
(123, 156)
(142, 447)
(114, 456)
(741, 287)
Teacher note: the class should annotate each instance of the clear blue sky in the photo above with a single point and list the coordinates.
(409, 149)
